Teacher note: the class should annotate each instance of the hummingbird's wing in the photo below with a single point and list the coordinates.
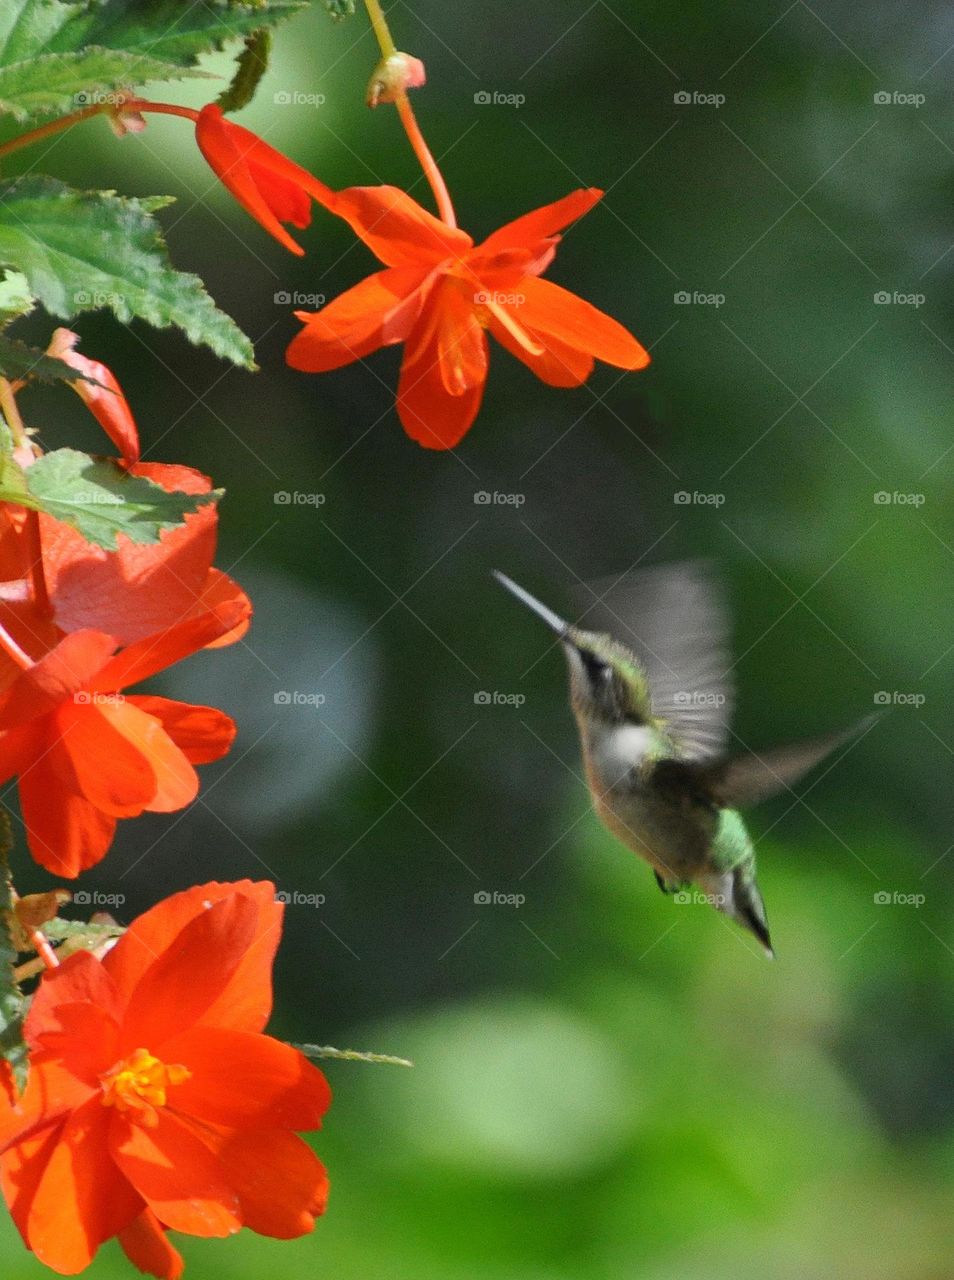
(675, 620)
(746, 780)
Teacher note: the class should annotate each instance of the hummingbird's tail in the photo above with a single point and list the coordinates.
(736, 894)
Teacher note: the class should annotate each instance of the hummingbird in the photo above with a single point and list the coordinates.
(653, 718)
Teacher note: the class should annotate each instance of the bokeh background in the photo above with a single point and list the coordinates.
(607, 1083)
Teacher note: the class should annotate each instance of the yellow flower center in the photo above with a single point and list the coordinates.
(138, 1085)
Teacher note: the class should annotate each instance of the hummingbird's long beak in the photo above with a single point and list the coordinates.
(553, 620)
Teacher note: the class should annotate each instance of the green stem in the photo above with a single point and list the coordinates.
(381, 30)
(350, 1055)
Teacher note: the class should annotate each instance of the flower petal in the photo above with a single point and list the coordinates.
(75, 1011)
(147, 1247)
(202, 734)
(107, 403)
(559, 364)
(19, 748)
(106, 764)
(529, 229)
(239, 160)
(52, 1092)
(553, 311)
(79, 1199)
(243, 1080)
(246, 999)
(177, 1175)
(154, 653)
(378, 312)
(66, 833)
(189, 974)
(174, 781)
(397, 229)
(221, 591)
(281, 1183)
(56, 677)
(444, 371)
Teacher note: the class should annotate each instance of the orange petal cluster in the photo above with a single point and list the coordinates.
(154, 1101)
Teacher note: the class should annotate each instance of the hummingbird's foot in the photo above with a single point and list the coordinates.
(668, 886)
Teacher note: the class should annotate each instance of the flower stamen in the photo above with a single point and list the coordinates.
(138, 1085)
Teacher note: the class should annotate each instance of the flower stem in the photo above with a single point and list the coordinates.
(52, 127)
(406, 113)
(11, 414)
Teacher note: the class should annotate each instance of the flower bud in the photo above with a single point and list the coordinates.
(392, 76)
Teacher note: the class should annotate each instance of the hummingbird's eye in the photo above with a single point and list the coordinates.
(597, 670)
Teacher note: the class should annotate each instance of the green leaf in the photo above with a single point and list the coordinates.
(17, 360)
(56, 83)
(168, 29)
(83, 250)
(13, 1004)
(16, 299)
(100, 499)
(80, 935)
(252, 65)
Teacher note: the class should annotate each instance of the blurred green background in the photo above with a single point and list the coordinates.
(608, 1084)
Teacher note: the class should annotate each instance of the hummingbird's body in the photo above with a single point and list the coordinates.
(651, 734)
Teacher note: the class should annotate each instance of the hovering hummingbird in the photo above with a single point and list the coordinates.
(653, 718)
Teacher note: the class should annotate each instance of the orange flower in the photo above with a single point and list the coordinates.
(136, 590)
(87, 756)
(154, 1102)
(439, 295)
(269, 186)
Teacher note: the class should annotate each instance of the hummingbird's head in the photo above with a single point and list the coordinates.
(607, 684)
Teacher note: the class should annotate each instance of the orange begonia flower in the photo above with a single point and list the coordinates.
(86, 755)
(154, 1101)
(138, 589)
(269, 186)
(439, 295)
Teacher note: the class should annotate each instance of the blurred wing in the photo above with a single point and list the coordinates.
(675, 620)
(746, 780)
